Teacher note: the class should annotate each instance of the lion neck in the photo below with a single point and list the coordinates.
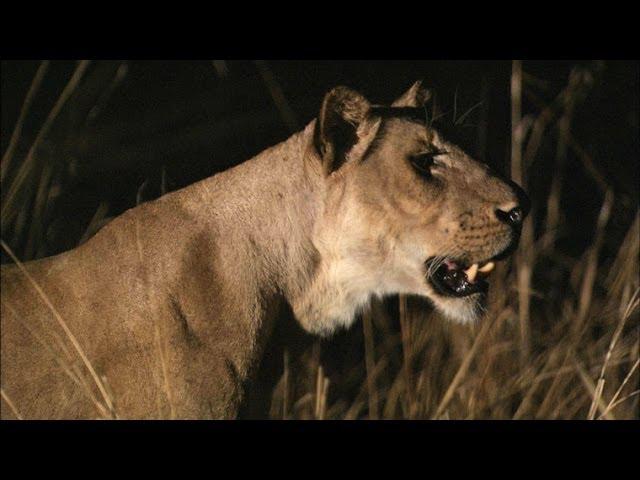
(275, 207)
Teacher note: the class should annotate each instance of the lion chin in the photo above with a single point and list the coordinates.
(461, 310)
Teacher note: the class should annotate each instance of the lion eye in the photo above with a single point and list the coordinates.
(423, 162)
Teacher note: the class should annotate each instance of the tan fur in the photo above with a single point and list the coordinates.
(173, 301)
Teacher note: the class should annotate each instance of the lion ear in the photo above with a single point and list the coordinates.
(415, 97)
(342, 111)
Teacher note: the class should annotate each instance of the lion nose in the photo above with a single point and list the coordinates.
(513, 213)
(511, 216)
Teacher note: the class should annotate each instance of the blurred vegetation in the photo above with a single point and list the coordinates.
(84, 141)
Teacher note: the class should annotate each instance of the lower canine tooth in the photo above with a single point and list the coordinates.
(471, 272)
(487, 268)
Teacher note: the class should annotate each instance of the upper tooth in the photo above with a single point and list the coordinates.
(471, 272)
(487, 268)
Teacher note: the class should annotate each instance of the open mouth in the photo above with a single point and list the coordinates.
(454, 278)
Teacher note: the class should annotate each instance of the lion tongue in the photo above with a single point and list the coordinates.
(451, 265)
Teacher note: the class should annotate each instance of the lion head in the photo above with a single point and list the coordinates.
(405, 210)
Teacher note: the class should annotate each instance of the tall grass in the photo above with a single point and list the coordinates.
(560, 339)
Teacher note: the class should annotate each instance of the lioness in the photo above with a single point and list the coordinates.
(165, 311)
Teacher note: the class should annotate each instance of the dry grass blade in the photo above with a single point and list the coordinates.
(26, 106)
(589, 277)
(163, 365)
(467, 113)
(523, 266)
(76, 345)
(545, 119)
(277, 94)
(322, 390)
(369, 357)
(614, 340)
(516, 120)
(95, 222)
(613, 401)
(553, 202)
(593, 390)
(623, 399)
(11, 405)
(407, 346)
(38, 212)
(285, 385)
(623, 270)
(462, 370)
(27, 164)
(75, 376)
